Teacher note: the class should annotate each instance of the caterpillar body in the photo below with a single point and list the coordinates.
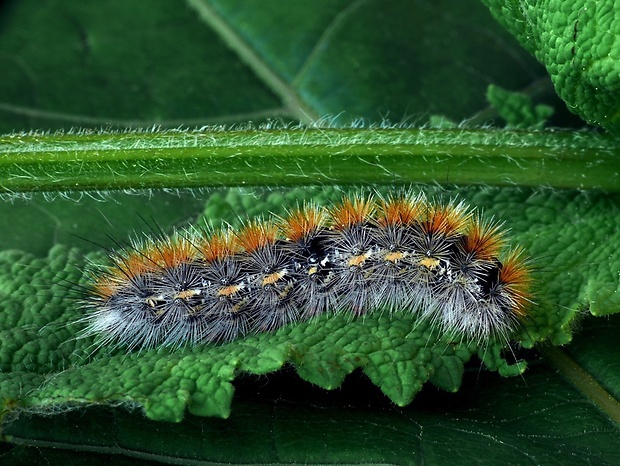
(442, 261)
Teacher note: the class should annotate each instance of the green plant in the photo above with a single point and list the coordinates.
(208, 62)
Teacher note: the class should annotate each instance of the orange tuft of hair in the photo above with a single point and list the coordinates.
(515, 275)
(350, 212)
(108, 286)
(218, 246)
(257, 234)
(126, 266)
(448, 220)
(398, 211)
(302, 222)
(130, 265)
(134, 263)
(484, 239)
(170, 253)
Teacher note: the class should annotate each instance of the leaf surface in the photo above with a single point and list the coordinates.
(162, 62)
(579, 44)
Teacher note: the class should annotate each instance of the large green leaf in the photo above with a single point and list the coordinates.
(539, 419)
(136, 64)
(578, 41)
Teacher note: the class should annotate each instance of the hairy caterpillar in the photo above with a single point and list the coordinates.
(441, 261)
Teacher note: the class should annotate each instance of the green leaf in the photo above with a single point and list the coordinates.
(117, 64)
(595, 351)
(540, 419)
(202, 62)
(518, 109)
(578, 41)
(122, 64)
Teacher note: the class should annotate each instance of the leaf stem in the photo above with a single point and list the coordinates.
(582, 381)
(84, 161)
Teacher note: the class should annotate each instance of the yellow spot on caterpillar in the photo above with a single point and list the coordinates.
(430, 263)
(229, 290)
(187, 294)
(356, 261)
(274, 277)
(395, 256)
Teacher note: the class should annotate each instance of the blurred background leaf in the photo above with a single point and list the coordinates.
(88, 64)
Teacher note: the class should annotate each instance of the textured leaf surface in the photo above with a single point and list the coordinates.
(578, 41)
(66, 64)
(518, 109)
(539, 419)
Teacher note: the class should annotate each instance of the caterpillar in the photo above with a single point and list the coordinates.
(443, 261)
